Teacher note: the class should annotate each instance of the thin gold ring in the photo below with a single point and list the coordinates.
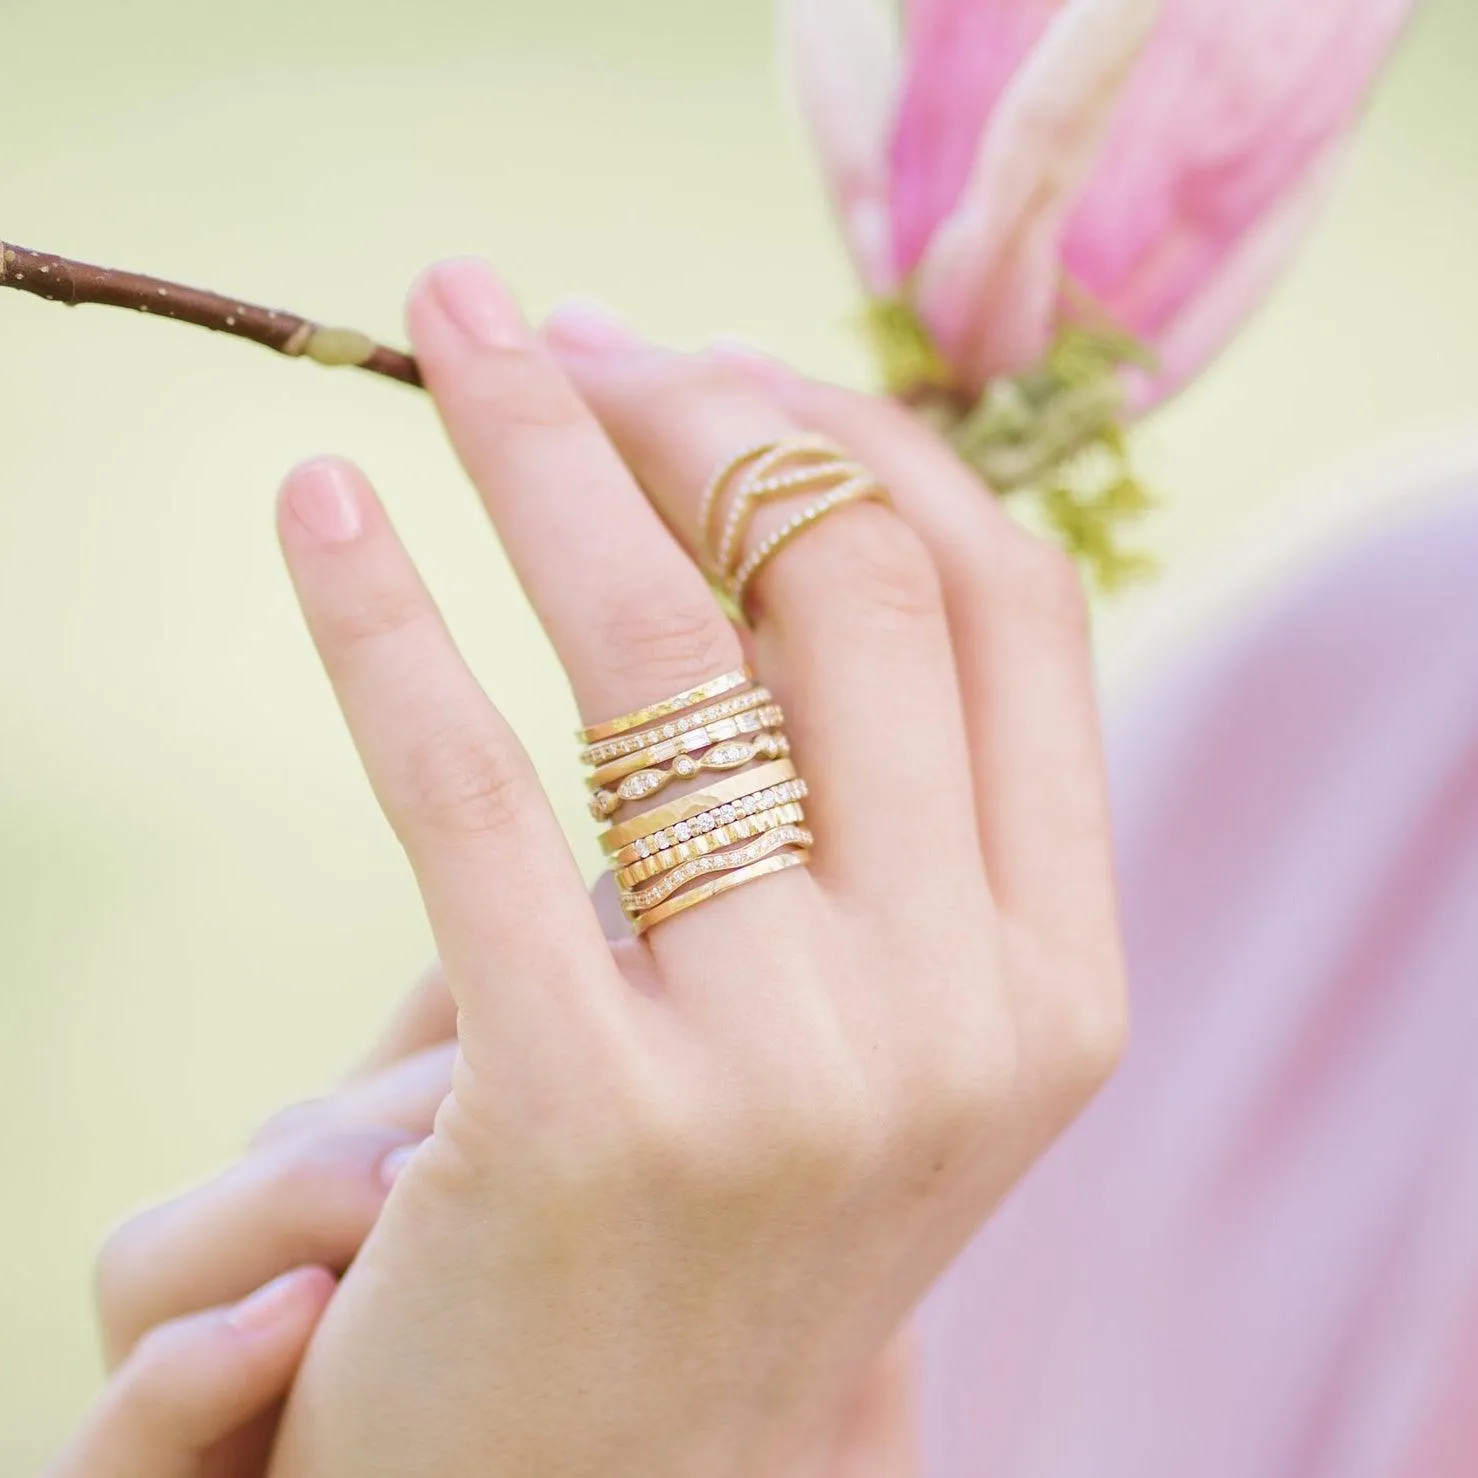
(614, 749)
(711, 889)
(863, 489)
(694, 740)
(755, 491)
(657, 844)
(700, 846)
(732, 755)
(685, 808)
(713, 688)
(765, 845)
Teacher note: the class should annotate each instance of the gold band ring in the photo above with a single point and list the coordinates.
(713, 798)
(614, 749)
(713, 841)
(765, 845)
(655, 845)
(715, 886)
(713, 688)
(754, 722)
(733, 755)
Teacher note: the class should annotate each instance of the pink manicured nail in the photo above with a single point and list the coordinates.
(473, 296)
(325, 501)
(582, 323)
(264, 1308)
(396, 1161)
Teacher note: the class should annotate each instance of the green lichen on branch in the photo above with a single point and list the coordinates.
(1052, 438)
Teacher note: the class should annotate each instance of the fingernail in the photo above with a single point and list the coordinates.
(473, 296)
(266, 1306)
(325, 501)
(395, 1162)
(582, 323)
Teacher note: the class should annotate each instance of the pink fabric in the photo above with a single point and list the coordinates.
(1257, 1254)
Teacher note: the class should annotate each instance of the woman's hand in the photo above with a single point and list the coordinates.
(684, 1189)
(198, 1377)
(191, 1386)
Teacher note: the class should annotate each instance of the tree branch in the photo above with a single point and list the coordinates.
(62, 281)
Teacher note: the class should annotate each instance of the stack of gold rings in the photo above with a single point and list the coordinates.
(752, 823)
(728, 833)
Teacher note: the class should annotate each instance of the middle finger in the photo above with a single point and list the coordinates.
(849, 617)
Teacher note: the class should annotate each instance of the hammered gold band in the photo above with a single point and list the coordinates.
(710, 798)
(657, 843)
(711, 889)
(700, 846)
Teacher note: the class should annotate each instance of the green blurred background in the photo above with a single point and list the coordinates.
(201, 914)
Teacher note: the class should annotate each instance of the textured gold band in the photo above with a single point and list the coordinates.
(767, 845)
(713, 688)
(732, 755)
(755, 722)
(711, 889)
(712, 797)
(657, 843)
(615, 749)
(713, 841)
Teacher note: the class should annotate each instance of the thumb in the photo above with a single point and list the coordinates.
(192, 1382)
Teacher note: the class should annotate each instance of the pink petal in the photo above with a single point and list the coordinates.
(962, 55)
(988, 282)
(843, 57)
(1242, 279)
(1230, 107)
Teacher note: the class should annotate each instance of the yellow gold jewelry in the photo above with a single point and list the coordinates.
(755, 490)
(711, 889)
(731, 756)
(754, 722)
(733, 792)
(656, 845)
(762, 846)
(713, 841)
(614, 749)
(713, 688)
(862, 489)
(708, 501)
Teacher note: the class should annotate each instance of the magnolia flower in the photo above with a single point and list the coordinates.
(1061, 209)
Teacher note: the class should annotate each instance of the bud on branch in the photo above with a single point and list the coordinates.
(60, 280)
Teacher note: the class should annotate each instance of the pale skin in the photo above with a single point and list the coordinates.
(681, 1194)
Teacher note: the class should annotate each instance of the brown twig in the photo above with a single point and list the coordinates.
(62, 281)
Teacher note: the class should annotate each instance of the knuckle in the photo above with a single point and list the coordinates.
(966, 1083)
(465, 781)
(674, 641)
(1093, 1037)
(377, 611)
(881, 566)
